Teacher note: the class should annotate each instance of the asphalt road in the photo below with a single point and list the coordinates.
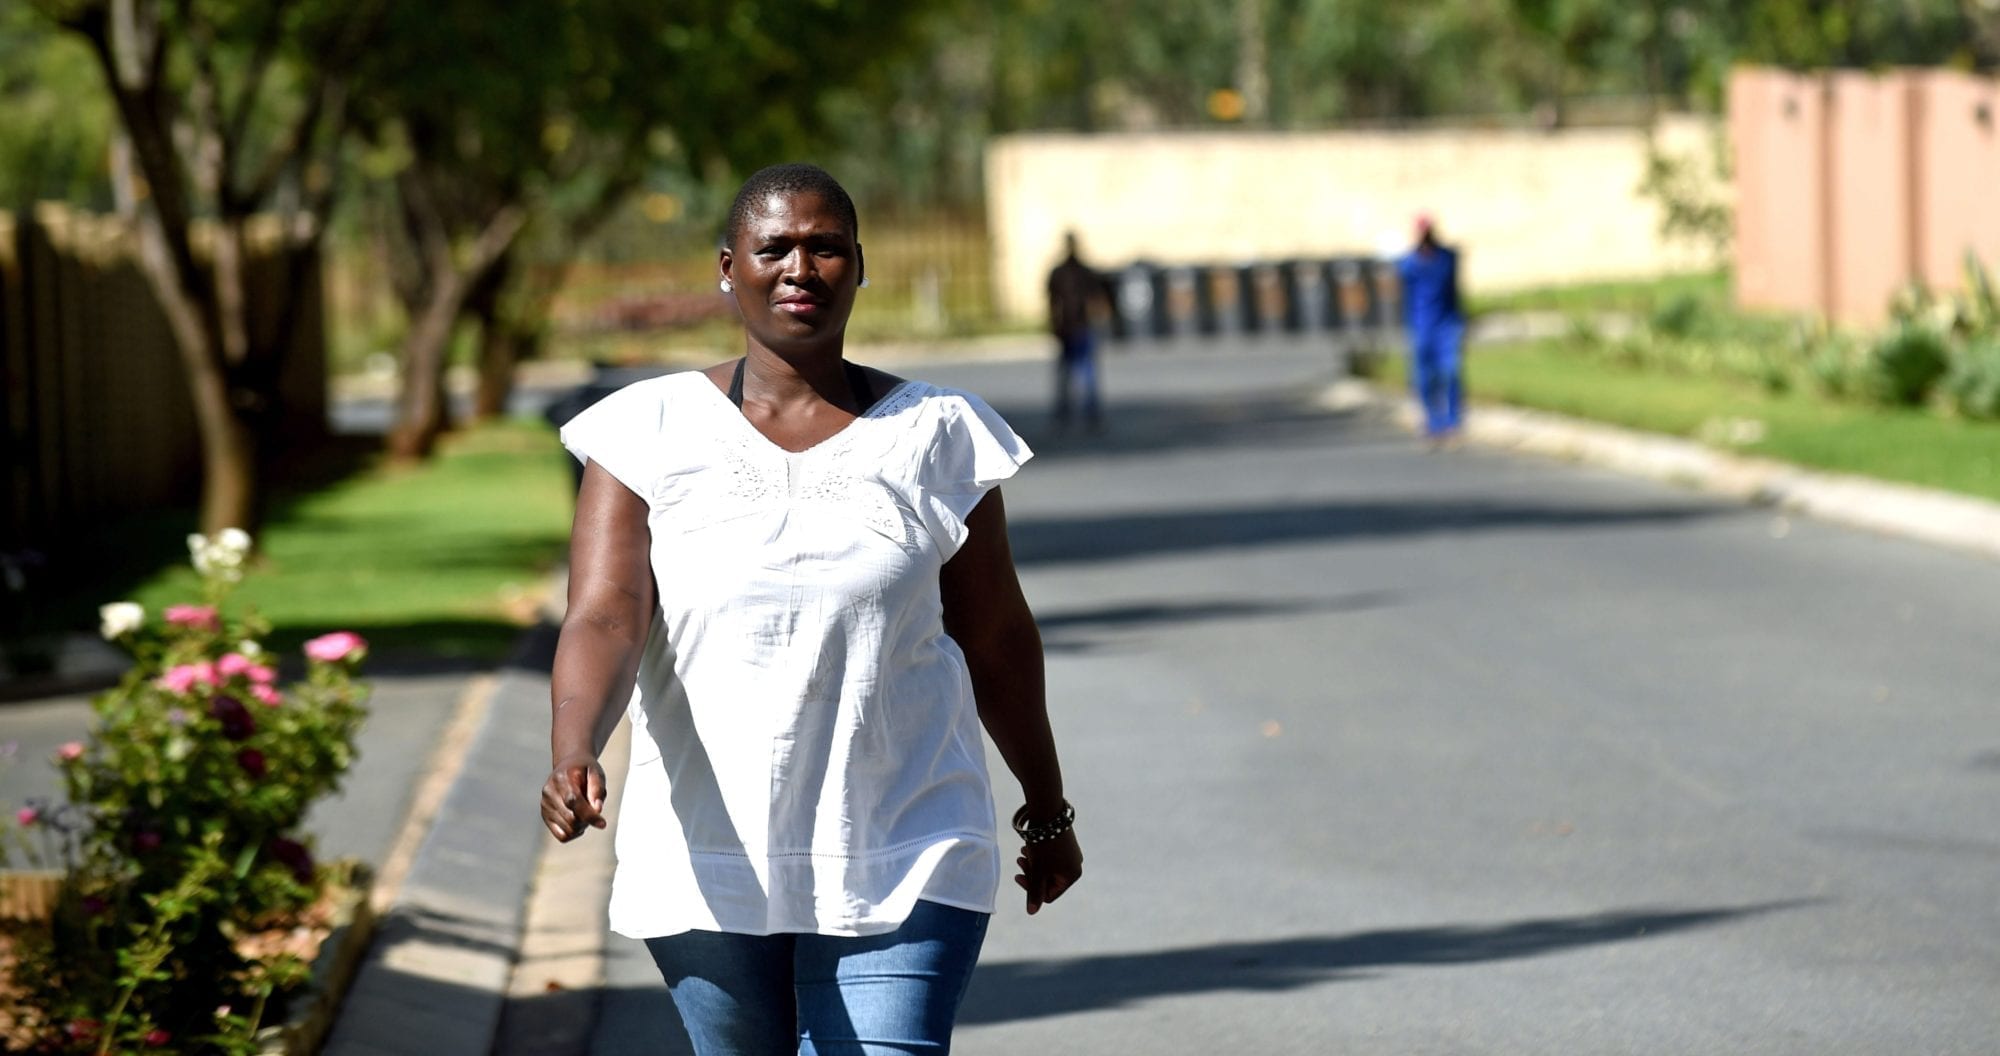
(1377, 751)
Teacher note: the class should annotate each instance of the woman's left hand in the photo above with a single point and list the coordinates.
(1049, 869)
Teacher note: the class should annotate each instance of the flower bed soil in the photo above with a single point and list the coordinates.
(332, 935)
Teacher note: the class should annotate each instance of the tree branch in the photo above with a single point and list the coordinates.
(151, 143)
(138, 47)
(261, 56)
(492, 243)
(328, 94)
(425, 214)
(209, 151)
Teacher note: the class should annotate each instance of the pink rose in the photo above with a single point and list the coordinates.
(194, 617)
(71, 752)
(335, 647)
(183, 678)
(233, 664)
(267, 696)
(157, 1037)
(27, 816)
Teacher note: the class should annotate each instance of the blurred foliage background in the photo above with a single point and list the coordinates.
(656, 115)
(494, 183)
(611, 132)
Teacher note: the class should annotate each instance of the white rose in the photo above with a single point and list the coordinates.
(198, 552)
(234, 540)
(249, 649)
(119, 619)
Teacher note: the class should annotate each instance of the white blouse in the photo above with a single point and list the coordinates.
(806, 754)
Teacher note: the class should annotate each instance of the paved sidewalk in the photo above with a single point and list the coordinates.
(435, 978)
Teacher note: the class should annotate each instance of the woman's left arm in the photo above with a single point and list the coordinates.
(986, 614)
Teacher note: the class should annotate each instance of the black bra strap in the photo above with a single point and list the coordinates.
(857, 382)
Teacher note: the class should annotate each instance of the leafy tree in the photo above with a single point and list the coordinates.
(55, 127)
(231, 108)
(574, 106)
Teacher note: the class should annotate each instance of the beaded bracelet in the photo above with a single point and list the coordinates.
(1046, 831)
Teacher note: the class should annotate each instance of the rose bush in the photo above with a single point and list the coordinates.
(181, 831)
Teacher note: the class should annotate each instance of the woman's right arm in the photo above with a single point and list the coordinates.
(610, 613)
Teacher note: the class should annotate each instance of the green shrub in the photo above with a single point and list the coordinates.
(181, 831)
(1582, 329)
(1684, 314)
(1831, 363)
(1905, 364)
(1973, 385)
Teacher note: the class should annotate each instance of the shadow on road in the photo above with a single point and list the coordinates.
(1071, 631)
(1052, 540)
(1208, 422)
(642, 1019)
(1016, 990)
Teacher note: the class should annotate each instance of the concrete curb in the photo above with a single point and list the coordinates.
(1923, 514)
(552, 999)
(435, 980)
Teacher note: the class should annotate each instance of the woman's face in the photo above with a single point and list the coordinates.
(795, 265)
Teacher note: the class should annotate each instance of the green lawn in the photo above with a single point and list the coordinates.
(441, 559)
(1637, 296)
(1911, 446)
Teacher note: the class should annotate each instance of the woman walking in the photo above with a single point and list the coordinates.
(796, 571)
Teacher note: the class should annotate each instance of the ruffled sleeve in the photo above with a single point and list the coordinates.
(973, 452)
(620, 433)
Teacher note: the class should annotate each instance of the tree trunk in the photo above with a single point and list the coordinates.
(496, 342)
(229, 453)
(500, 350)
(229, 493)
(1253, 77)
(421, 417)
(515, 335)
(451, 278)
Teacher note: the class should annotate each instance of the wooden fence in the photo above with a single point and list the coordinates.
(95, 417)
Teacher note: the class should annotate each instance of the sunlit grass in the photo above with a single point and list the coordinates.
(1907, 445)
(441, 559)
(1638, 296)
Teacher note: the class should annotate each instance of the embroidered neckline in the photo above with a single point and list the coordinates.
(899, 396)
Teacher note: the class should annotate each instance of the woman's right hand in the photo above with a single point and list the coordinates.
(573, 797)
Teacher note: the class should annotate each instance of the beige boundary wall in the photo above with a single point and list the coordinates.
(1527, 207)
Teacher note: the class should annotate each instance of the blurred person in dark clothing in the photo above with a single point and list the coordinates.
(1076, 295)
(1429, 274)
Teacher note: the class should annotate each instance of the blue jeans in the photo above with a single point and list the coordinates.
(1076, 367)
(824, 995)
(1434, 373)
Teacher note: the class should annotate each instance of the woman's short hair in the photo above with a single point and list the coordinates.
(790, 178)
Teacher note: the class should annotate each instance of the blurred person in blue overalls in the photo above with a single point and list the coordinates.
(1076, 295)
(1429, 274)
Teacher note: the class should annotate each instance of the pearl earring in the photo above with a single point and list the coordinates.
(864, 282)
(727, 286)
